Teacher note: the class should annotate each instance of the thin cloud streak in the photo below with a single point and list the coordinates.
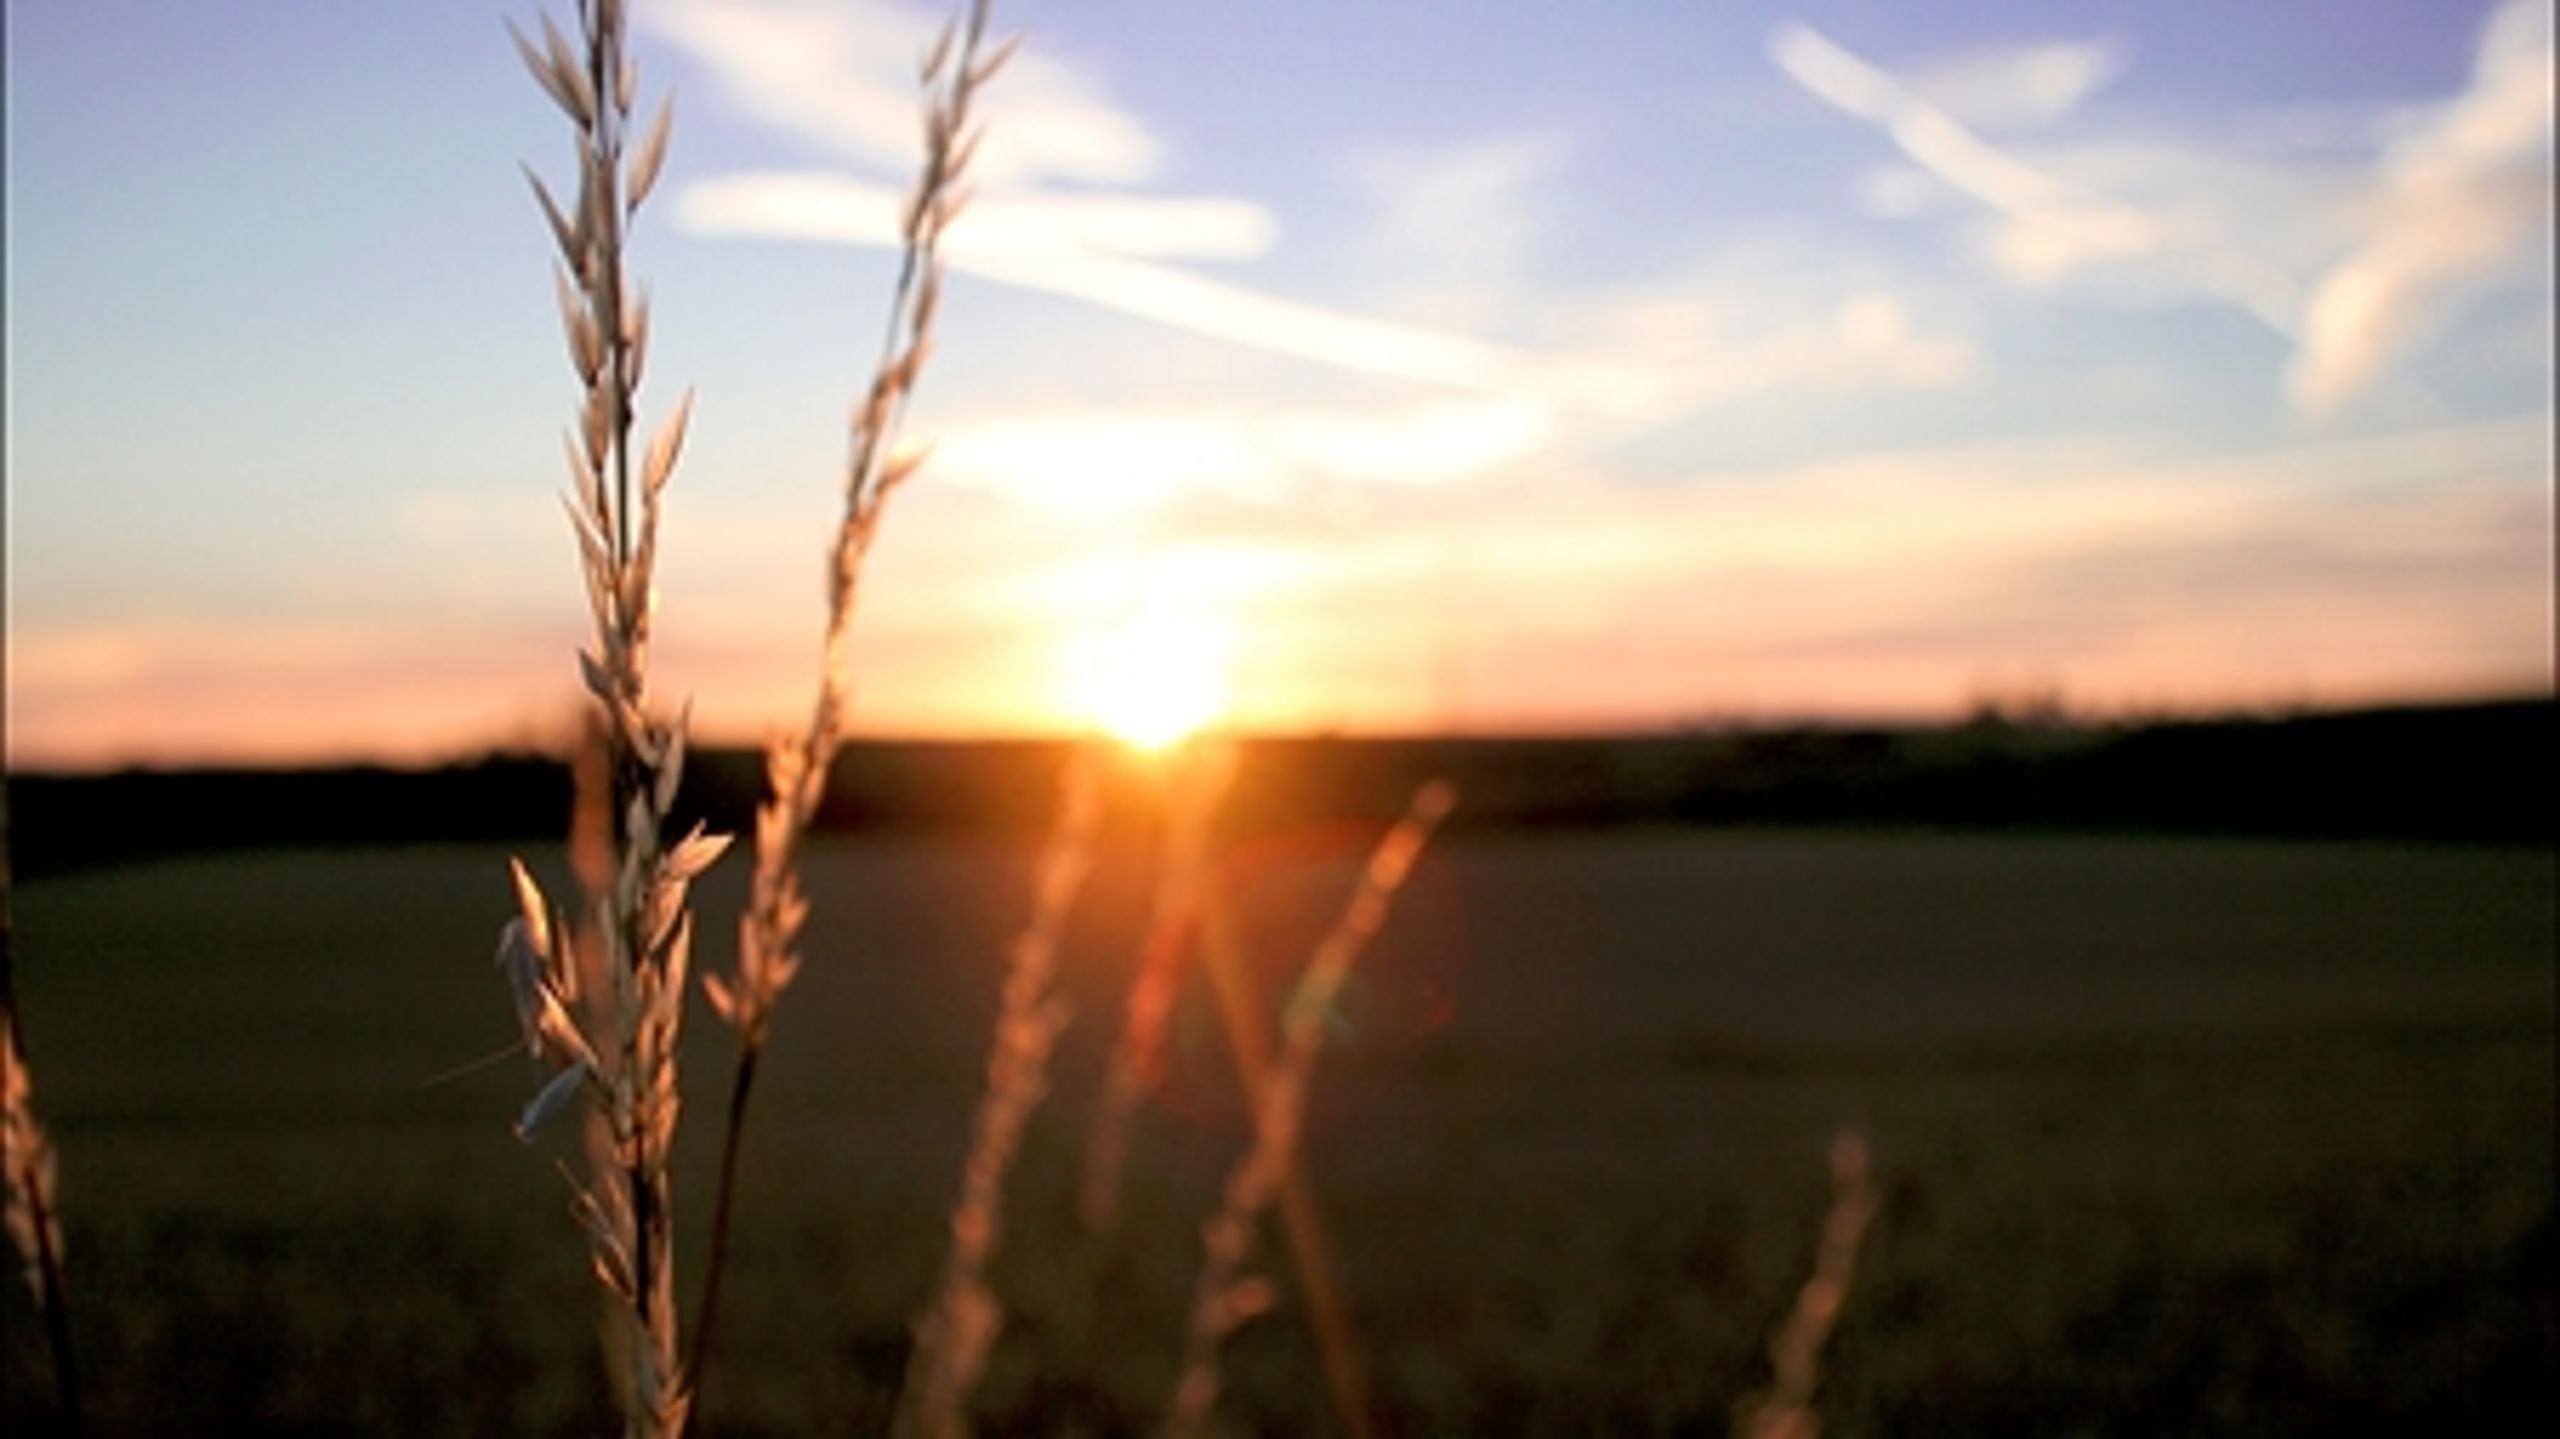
(2454, 200)
(2021, 85)
(819, 72)
(2054, 228)
(828, 206)
(843, 211)
(1128, 460)
(841, 75)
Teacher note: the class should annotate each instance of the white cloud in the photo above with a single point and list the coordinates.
(2051, 228)
(2354, 272)
(825, 205)
(1454, 229)
(1094, 459)
(1430, 444)
(2071, 226)
(1648, 359)
(819, 72)
(1132, 459)
(2458, 199)
(1899, 192)
(2020, 85)
(839, 76)
(1076, 258)
(1645, 363)
(842, 75)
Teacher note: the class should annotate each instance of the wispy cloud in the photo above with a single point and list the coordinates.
(1117, 248)
(1454, 231)
(1902, 583)
(841, 76)
(1017, 248)
(1649, 363)
(2014, 86)
(1118, 459)
(828, 205)
(2355, 271)
(2051, 228)
(837, 76)
(2457, 200)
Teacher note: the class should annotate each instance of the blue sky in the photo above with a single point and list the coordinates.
(1485, 366)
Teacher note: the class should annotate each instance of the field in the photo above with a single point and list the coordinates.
(2174, 1136)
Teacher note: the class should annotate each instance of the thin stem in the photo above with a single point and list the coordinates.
(604, 62)
(1785, 1410)
(28, 1162)
(1346, 1375)
(797, 766)
(1224, 1298)
(642, 917)
(1190, 786)
(57, 1315)
(959, 1325)
(741, 1084)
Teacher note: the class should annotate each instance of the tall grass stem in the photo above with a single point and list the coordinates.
(797, 766)
(1785, 1410)
(1224, 1297)
(27, 1165)
(1189, 784)
(642, 922)
(1346, 1373)
(959, 1325)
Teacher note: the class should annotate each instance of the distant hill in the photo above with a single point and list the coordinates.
(2477, 773)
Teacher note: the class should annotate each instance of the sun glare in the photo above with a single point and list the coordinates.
(1157, 677)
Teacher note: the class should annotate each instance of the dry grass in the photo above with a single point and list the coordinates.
(959, 1325)
(1785, 1410)
(639, 941)
(796, 767)
(27, 1165)
(1225, 1297)
(1194, 782)
(641, 925)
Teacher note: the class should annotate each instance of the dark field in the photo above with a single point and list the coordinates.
(2174, 1137)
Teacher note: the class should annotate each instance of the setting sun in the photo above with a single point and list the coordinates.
(1156, 677)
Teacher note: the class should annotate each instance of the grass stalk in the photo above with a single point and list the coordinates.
(643, 924)
(742, 1083)
(1192, 784)
(1785, 1409)
(1224, 1297)
(1187, 907)
(28, 1168)
(1346, 1375)
(959, 1325)
(797, 766)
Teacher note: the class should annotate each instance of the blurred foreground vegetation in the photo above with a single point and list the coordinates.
(2195, 1136)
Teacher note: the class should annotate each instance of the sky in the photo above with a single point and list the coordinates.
(1491, 366)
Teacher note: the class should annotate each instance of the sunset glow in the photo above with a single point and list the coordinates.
(1619, 367)
(1156, 678)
